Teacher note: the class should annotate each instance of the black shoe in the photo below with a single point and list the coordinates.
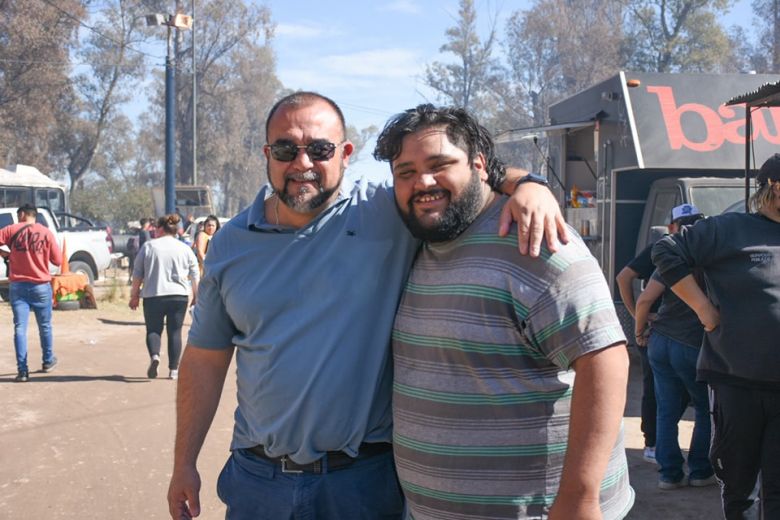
(48, 367)
(22, 377)
(151, 373)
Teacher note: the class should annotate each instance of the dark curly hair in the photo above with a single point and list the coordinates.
(463, 130)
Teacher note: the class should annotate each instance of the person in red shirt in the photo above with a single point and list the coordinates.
(32, 248)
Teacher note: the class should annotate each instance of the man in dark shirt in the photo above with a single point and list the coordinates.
(641, 268)
(739, 255)
(673, 348)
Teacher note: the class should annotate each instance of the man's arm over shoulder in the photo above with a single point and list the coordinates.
(597, 404)
(536, 212)
(201, 379)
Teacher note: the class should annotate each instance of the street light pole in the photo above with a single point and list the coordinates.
(194, 105)
(171, 21)
(170, 128)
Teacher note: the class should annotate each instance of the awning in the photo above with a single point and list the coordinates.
(767, 95)
(520, 134)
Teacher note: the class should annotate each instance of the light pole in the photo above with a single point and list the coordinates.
(194, 105)
(171, 21)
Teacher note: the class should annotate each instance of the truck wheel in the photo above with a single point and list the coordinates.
(83, 267)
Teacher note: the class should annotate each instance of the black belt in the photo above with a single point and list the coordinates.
(335, 459)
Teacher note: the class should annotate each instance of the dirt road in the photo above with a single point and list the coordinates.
(94, 438)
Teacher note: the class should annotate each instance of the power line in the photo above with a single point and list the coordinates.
(44, 62)
(78, 20)
(368, 110)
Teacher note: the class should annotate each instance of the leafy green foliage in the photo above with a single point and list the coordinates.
(113, 201)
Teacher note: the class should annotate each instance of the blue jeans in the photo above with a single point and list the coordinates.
(674, 370)
(256, 489)
(36, 296)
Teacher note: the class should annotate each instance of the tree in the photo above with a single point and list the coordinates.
(767, 53)
(465, 82)
(36, 37)
(553, 50)
(237, 85)
(114, 69)
(359, 138)
(678, 35)
(113, 201)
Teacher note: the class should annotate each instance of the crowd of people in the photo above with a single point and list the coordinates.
(474, 366)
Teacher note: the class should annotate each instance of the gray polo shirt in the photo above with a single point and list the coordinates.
(310, 312)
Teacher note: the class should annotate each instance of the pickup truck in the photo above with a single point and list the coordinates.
(88, 251)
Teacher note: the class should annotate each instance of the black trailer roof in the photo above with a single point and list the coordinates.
(767, 95)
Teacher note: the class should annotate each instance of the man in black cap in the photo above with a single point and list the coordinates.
(739, 255)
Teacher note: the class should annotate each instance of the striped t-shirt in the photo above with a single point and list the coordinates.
(483, 343)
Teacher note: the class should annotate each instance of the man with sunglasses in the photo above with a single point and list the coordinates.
(304, 285)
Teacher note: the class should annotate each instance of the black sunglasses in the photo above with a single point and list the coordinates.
(317, 150)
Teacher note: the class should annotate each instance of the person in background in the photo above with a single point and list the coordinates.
(132, 250)
(641, 268)
(489, 420)
(303, 286)
(675, 336)
(165, 274)
(203, 238)
(146, 232)
(739, 256)
(32, 248)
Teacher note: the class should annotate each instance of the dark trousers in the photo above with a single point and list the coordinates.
(746, 443)
(257, 489)
(168, 311)
(648, 424)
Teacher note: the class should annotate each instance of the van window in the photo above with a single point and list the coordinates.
(40, 220)
(662, 208)
(6, 219)
(712, 200)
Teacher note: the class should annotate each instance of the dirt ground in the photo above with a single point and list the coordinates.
(94, 438)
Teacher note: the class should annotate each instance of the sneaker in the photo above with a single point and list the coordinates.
(649, 454)
(174, 374)
(48, 367)
(667, 486)
(22, 377)
(151, 373)
(703, 482)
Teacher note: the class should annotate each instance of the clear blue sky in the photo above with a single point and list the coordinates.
(370, 56)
